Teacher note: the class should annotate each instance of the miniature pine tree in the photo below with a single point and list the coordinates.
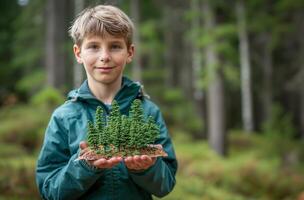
(99, 125)
(121, 134)
(153, 131)
(92, 136)
(106, 140)
(114, 125)
(132, 140)
(141, 134)
(145, 135)
(136, 111)
(137, 121)
(124, 131)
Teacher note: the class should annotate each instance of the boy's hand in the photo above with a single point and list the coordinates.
(101, 163)
(139, 162)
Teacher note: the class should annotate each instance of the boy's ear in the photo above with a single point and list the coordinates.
(77, 51)
(131, 52)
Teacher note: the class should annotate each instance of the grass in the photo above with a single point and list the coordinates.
(253, 170)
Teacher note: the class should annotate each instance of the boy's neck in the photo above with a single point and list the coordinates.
(104, 92)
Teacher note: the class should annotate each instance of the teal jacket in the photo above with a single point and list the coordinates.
(59, 176)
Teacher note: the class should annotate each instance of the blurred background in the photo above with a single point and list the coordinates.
(227, 75)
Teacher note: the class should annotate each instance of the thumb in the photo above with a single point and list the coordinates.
(83, 145)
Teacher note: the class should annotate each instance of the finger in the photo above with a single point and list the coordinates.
(100, 162)
(114, 161)
(129, 162)
(137, 159)
(83, 145)
(103, 163)
(138, 163)
(146, 160)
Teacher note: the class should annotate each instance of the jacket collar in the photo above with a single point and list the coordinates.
(129, 91)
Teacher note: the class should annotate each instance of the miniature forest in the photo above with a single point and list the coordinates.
(121, 135)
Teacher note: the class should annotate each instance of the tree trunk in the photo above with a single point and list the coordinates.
(198, 94)
(173, 43)
(78, 69)
(246, 93)
(300, 75)
(302, 112)
(55, 40)
(136, 68)
(267, 76)
(215, 93)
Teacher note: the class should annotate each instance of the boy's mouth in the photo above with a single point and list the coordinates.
(104, 69)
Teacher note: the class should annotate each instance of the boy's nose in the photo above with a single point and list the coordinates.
(104, 56)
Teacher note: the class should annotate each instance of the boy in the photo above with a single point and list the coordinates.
(103, 44)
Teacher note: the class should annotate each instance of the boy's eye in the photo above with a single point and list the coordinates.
(115, 46)
(93, 46)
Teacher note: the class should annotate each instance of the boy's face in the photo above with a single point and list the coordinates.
(104, 58)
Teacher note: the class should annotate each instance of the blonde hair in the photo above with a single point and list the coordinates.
(101, 20)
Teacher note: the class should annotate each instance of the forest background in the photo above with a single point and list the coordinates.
(228, 76)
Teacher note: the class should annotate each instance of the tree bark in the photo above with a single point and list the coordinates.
(196, 53)
(198, 93)
(173, 42)
(247, 114)
(302, 112)
(79, 74)
(136, 68)
(215, 92)
(267, 76)
(55, 39)
(300, 75)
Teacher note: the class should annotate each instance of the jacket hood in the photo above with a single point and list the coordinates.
(129, 91)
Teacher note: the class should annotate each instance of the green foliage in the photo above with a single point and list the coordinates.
(11, 150)
(23, 125)
(48, 97)
(19, 183)
(100, 124)
(179, 112)
(280, 123)
(150, 32)
(31, 83)
(151, 131)
(248, 173)
(121, 132)
(114, 124)
(28, 62)
(99, 119)
(7, 75)
(124, 139)
(92, 136)
(136, 127)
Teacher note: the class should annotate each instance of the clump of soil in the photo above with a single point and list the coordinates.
(89, 154)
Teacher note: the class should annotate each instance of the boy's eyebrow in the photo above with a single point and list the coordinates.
(117, 40)
(91, 43)
(111, 40)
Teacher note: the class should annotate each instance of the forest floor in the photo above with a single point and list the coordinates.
(257, 167)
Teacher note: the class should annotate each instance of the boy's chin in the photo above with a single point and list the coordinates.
(107, 80)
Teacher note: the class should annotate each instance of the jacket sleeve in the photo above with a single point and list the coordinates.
(159, 179)
(58, 175)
